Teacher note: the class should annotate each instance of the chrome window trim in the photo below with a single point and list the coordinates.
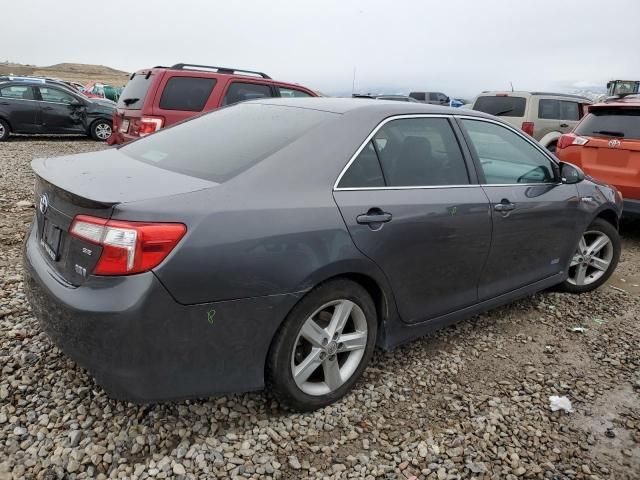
(428, 187)
(368, 139)
(20, 99)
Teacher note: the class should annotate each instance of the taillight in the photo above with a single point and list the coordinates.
(527, 127)
(148, 125)
(569, 139)
(127, 247)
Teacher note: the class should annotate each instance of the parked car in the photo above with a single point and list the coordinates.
(397, 98)
(161, 96)
(267, 252)
(606, 144)
(100, 90)
(51, 108)
(544, 116)
(433, 98)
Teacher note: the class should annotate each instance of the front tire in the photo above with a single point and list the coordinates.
(323, 346)
(5, 131)
(552, 147)
(595, 258)
(101, 130)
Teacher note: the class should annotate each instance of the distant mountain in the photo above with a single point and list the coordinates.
(78, 72)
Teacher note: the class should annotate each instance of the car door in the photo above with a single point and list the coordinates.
(411, 203)
(549, 118)
(569, 115)
(19, 106)
(62, 112)
(534, 216)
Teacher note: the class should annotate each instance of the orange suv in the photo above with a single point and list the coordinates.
(606, 145)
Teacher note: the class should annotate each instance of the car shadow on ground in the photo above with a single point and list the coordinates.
(48, 138)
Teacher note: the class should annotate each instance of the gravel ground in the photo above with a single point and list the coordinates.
(471, 401)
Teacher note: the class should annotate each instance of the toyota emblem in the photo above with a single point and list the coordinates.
(614, 143)
(44, 203)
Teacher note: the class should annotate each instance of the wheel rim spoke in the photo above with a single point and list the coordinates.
(332, 376)
(312, 332)
(599, 263)
(575, 260)
(581, 273)
(307, 366)
(340, 316)
(582, 246)
(353, 341)
(598, 244)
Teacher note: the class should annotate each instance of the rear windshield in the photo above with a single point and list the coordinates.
(132, 96)
(611, 122)
(499, 106)
(219, 145)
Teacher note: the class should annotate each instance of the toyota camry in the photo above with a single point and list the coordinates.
(277, 242)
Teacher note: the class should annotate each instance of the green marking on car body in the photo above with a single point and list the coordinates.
(210, 315)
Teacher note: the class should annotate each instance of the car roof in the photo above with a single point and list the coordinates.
(379, 107)
(628, 101)
(523, 93)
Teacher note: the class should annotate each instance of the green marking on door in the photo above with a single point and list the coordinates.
(210, 315)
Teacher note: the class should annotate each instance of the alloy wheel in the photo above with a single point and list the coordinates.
(592, 258)
(329, 347)
(2, 131)
(103, 131)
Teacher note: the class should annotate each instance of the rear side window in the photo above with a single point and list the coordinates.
(498, 106)
(239, 92)
(134, 93)
(611, 122)
(17, 91)
(292, 92)
(569, 110)
(235, 139)
(413, 152)
(558, 110)
(418, 96)
(186, 93)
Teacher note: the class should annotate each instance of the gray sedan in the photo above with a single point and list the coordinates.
(278, 242)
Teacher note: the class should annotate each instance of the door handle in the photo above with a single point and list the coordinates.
(504, 206)
(564, 125)
(374, 215)
(47, 108)
(5, 103)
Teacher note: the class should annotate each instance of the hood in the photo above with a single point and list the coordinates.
(111, 177)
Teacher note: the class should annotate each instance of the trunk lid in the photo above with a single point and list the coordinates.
(92, 184)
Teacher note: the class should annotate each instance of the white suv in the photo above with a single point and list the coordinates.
(544, 116)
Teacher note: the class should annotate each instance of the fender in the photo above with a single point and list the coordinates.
(550, 138)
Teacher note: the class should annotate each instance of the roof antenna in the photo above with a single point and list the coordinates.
(511, 83)
(353, 82)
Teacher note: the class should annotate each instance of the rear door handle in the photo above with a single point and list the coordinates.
(374, 215)
(564, 125)
(47, 108)
(504, 206)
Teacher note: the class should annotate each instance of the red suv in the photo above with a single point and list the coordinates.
(161, 96)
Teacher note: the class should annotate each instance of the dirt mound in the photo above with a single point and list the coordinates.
(77, 72)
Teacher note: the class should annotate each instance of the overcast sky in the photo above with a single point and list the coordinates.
(456, 46)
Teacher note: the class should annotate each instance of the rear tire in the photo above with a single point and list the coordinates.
(595, 258)
(101, 130)
(327, 339)
(5, 131)
(552, 147)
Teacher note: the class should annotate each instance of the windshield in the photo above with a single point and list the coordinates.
(611, 122)
(219, 145)
(501, 106)
(132, 97)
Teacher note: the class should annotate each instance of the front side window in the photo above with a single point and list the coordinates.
(412, 152)
(55, 96)
(506, 157)
(570, 111)
(17, 92)
(186, 93)
(240, 91)
(292, 92)
(418, 96)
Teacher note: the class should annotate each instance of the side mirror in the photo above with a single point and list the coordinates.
(570, 174)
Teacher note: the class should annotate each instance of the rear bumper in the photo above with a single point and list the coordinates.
(118, 138)
(141, 345)
(631, 207)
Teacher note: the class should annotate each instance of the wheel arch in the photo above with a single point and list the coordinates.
(6, 120)
(550, 138)
(610, 216)
(95, 120)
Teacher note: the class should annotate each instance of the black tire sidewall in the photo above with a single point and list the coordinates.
(610, 231)
(279, 377)
(7, 131)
